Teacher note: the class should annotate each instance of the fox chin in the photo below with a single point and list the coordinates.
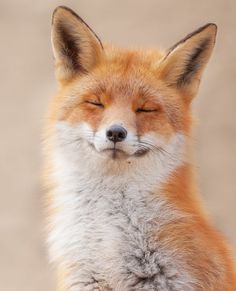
(123, 208)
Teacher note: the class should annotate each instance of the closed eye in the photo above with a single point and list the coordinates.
(146, 110)
(95, 103)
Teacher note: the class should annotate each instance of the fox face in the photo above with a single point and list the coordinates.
(122, 115)
(123, 105)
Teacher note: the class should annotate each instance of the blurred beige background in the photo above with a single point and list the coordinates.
(27, 82)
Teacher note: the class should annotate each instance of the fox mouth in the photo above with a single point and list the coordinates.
(118, 153)
(115, 153)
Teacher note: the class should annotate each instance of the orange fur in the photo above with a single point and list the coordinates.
(124, 81)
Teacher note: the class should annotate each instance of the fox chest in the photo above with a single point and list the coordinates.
(110, 232)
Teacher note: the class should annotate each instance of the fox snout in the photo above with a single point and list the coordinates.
(116, 133)
(117, 138)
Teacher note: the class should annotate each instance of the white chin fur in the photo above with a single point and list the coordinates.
(79, 141)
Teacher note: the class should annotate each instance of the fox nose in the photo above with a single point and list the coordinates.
(116, 133)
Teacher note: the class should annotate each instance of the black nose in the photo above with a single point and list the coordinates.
(116, 133)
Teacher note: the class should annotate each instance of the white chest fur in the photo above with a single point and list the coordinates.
(104, 224)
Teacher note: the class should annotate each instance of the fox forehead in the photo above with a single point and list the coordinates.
(121, 70)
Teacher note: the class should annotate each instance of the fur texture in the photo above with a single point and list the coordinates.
(126, 216)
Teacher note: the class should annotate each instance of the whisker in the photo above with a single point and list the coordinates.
(160, 150)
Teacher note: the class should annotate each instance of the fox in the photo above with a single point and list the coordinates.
(124, 211)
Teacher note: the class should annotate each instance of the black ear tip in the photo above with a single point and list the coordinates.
(62, 9)
(210, 26)
(213, 25)
(58, 9)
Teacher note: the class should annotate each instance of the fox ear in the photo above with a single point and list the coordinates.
(183, 65)
(76, 48)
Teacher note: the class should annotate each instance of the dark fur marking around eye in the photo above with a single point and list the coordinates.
(70, 48)
(194, 63)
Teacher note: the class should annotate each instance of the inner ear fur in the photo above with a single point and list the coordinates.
(76, 48)
(183, 65)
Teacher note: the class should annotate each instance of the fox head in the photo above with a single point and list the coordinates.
(119, 104)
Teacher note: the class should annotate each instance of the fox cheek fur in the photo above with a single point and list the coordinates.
(123, 206)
